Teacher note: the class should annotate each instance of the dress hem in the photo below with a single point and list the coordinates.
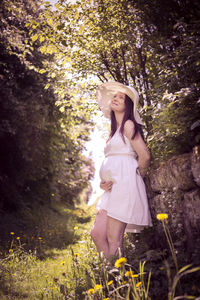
(128, 223)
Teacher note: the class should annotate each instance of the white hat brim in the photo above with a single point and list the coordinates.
(107, 90)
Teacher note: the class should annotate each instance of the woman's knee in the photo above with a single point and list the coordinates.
(96, 234)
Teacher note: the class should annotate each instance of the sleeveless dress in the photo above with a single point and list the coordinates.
(127, 201)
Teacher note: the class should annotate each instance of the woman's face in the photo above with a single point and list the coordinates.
(118, 102)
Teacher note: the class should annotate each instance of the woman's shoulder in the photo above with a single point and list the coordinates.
(129, 128)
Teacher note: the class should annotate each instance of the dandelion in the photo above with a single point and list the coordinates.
(90, 291)
(76, 254)
(161, 217)
(76, 228)
(10, 250)
(97, 287)
(18, 238)
(12, 233)
(128, 274)
(138, 284)
(120, 262)
(110, 282)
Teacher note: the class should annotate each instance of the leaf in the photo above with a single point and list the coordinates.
(47, 86)
(34, 37)
(49, 21)
(42, 71)
(42, 38)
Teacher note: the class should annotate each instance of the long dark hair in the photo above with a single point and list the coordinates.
(128, 115)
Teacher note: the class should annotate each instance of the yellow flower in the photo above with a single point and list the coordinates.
(12, 233)
(97, 287)
(90, 291)
(106, 298)
(62, 262)
(40, 238)
(110, 282)
(46, 276)
(128, 274)
(76, 254)
(134, 275)
(18, 238)
(76, 227)
(53, 288)
(120, 262)
(161, 217)
(10, 250)
(138, 284)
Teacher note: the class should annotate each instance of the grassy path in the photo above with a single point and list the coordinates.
(54, 258)
(52, 276)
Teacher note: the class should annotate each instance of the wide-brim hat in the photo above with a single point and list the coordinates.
(107, 90)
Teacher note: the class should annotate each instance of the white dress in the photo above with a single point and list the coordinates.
(127, 201)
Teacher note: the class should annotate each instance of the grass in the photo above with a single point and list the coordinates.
(55, 259)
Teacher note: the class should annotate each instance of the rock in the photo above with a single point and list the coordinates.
(195, 164)
(173, 174)
(192, 208)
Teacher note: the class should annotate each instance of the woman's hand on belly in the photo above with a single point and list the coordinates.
(106, 185)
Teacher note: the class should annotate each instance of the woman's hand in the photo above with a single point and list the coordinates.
(106, 185)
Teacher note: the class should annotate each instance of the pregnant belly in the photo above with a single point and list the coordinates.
(108, 169)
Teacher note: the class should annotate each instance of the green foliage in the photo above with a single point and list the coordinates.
(155, 47)
(43, 130)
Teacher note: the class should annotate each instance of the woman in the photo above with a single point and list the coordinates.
(124, 204)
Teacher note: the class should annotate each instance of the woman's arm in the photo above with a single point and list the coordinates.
(139, 146)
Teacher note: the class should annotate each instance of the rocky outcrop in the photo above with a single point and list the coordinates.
(174, 188)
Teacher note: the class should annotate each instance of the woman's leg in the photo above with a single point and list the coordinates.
(99, 232)
(115, 234)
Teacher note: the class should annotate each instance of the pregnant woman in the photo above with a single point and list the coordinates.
(124, 205)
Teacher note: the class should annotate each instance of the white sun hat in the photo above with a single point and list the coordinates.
(107, 90)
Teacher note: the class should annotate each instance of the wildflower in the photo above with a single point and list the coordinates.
(76, 254)
(97, 287)
(120, 262)
(106, 298)
(10, 250)
(134, 275)
(138, 284)
(62, 262)
(90, 291)
(47, 276)
(40, 238)
(76, 227)
(161, 217)
(110, 282)
(128, 274)
(12, 233)
(53, 288)
(18, 238)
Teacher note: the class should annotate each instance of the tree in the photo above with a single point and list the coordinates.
(41, 139)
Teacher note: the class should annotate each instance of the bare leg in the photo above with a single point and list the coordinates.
(99, 232)
(115, 233)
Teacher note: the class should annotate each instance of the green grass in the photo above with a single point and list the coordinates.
(53, 257)
(37, 263)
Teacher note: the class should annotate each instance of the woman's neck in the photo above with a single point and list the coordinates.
(119, 118)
